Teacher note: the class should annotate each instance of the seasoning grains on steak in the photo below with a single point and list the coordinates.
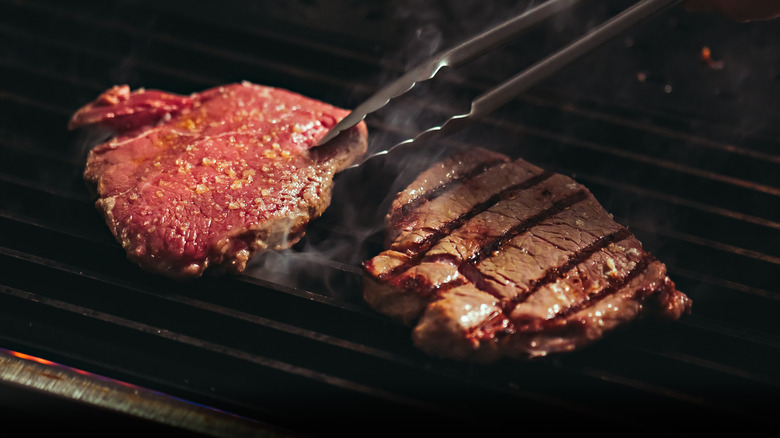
(190, 183)
(488, 257)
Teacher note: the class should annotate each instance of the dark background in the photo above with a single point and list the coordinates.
(684, 152)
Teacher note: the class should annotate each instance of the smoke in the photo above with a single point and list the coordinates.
(88, 139)
(328, 259)
(351, 231)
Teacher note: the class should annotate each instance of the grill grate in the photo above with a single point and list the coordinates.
(684, 155)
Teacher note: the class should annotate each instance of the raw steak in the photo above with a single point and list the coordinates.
(207, 180)
(489, 257)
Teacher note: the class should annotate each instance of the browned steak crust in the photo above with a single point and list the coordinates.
(507, 259)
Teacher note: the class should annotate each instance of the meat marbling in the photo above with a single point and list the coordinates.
(488, 257)
(189, 183)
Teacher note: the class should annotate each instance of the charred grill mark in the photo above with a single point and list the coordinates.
(401, 215)
(613, 287)
(575, 259)
(510, 327)
(526, 225)
(476, 277)
(425, 287)
(458, 222)
(488, 329)
(447, 228)
(500, 324)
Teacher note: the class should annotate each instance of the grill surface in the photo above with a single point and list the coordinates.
(686, 155)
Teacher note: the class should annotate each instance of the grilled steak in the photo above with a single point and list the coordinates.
(489, 257)
(207, 180)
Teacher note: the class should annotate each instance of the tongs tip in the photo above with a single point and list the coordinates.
(347, 122)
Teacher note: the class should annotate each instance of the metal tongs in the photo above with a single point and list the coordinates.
(505, 92)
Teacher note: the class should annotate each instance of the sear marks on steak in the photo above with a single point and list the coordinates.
(492, 258)
(207, 180)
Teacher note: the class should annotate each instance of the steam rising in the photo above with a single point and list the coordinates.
(351, 231)
(328, 259)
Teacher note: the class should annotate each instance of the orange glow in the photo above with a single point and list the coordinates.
(103, 389)
(32, 358)
(706, 57)
(75, 370)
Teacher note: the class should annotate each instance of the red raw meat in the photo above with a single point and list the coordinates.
(207, 180)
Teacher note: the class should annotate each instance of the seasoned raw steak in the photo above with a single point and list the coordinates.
(204, 181)
(489, 257)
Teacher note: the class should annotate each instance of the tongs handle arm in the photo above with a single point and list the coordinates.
(505, 92)
(501, 34)
(458, 55)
